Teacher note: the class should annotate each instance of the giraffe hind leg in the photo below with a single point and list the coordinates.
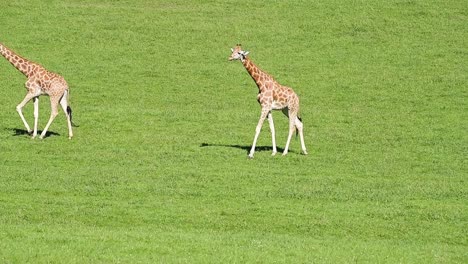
(300, 128)
(292, 118)
(68, 113)
(286, 113)
(54, 101)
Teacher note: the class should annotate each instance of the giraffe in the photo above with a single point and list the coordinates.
(40, 82)
(271, 96)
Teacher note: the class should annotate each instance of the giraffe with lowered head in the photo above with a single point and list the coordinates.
(271, 96)
(40, 82)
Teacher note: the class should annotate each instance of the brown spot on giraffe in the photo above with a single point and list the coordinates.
(40, 81)
(271, 96)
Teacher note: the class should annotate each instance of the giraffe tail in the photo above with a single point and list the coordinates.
(69, 112)
(297, 130)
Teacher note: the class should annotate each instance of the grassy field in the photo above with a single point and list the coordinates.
(158, 169)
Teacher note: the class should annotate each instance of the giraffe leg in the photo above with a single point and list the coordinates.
(19, 109)
(272, 129)
(300, 127)
(36, 115)
(257, 131)
(53, 113)
(64, 104)
(292, 118)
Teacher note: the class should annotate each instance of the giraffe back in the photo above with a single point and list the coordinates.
(47, 82)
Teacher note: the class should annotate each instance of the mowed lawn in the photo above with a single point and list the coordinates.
(158, 172)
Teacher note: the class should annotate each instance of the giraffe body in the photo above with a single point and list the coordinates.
(40, 82)
(272, 96)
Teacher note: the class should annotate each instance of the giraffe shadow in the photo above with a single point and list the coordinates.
(243, 147)
(20, 132)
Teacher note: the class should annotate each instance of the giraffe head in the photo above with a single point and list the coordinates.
(238, 53)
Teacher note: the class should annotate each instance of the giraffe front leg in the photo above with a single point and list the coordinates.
(36, 115)
(19, 109)
(272, 129)
(257, 132)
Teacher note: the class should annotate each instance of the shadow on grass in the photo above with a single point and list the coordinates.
(21, 132)
(246, 148)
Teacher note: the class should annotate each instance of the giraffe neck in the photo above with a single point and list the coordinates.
(19, 62)
(259, 76)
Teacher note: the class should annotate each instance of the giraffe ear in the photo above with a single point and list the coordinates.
(232, 50)
(246, 53)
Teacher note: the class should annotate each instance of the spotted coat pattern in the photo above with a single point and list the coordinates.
(40, 82)
(272, 96)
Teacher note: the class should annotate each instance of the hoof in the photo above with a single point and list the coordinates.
(274, 153)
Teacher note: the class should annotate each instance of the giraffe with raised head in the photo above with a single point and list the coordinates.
(271, 96)
(40, 82)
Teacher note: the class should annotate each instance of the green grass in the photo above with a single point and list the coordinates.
(158, 169)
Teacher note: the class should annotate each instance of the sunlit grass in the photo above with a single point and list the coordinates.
(158, 169)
